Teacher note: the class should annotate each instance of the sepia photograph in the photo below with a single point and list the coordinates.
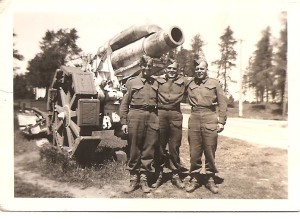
(149, 106)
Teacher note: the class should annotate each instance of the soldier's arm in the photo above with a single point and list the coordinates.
(222, 103)
(124, 106)
(187, 80)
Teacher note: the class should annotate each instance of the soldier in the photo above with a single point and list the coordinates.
(170, 93)
(138, 112)
(204, 94)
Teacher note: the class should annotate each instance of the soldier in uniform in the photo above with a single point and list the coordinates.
(138, 113)
(204, 95)
(170, 93)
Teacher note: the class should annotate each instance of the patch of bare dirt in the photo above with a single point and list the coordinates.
(34, 178)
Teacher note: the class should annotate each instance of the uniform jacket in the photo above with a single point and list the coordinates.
(207, 93)
(140, 92)
(170, 92)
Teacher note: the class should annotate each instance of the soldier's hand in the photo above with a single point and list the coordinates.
(125, 129)
(220, 127)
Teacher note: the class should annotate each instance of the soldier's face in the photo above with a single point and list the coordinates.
(147, 70)
(201, 71)
(172, 72)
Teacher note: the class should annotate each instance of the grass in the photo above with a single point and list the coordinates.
(58, 167)
(27, 190)
(22, 143)
(249, 171)
(272, 111)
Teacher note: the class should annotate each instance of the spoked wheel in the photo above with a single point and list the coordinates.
(74, 111)
(65, 130)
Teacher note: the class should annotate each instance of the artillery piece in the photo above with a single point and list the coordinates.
(85, 100)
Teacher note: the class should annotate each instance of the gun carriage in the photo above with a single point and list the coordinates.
(83, 101)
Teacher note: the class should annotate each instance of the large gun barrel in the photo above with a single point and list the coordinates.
(132, 34)
(122, 52)
(154, 46)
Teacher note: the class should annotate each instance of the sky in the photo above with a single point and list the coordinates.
(97, 21)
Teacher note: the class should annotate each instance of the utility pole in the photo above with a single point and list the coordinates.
(241, 83)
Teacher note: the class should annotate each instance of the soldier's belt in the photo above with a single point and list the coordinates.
(169, 108)
(144, 107)
(203, 108)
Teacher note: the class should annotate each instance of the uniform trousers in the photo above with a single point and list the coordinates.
(202, 137)
(170, 123)
(143, 132)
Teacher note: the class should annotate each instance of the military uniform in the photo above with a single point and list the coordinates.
(170, 95)
(138, 110)
(204, 96)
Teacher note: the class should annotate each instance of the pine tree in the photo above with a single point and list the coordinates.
(197, 44)
(281, 64)
(228, 57)
(261, 73)
(185, 61)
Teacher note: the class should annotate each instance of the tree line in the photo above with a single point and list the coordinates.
(267, 68)
(265, 74)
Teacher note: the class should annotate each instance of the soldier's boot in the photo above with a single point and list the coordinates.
(134, 183)
(176, 181)
(193, 185)
(159, 180)
(144, 183)
(210, 185)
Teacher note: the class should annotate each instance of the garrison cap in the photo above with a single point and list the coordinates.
(198, 61)
(173, 65)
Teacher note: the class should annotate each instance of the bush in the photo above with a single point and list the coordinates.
(230, 101)
(258, 107)
(21, 88)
